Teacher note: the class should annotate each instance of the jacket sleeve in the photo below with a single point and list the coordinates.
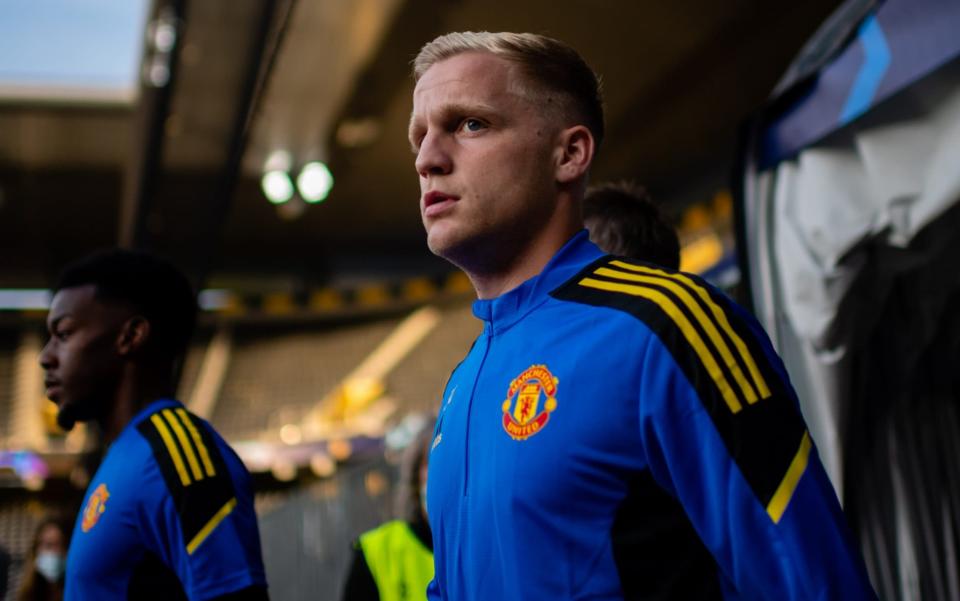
(198, 515)
(723, 434)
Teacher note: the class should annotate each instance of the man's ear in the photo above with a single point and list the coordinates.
(574, 153)
(133, 335)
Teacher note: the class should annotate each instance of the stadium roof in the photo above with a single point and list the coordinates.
(177, 168)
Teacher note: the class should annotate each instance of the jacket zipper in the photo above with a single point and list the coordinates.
(473, 391)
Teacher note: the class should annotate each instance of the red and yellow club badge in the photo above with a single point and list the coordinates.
(95, 506)
(522, 414)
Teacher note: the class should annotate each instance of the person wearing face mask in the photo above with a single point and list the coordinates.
(43, 577)
(394, 562)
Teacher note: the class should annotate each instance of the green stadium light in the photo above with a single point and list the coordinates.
(314, 182)
(277, 186)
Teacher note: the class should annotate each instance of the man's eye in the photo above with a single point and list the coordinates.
(472, 125)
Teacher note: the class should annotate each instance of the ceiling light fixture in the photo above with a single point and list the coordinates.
(277, 186)
(314, 182)
(278, 160)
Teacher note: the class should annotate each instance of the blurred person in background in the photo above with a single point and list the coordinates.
(394, 562)
(623, 220)
(616, 431)
(46, 562)
(169, 513)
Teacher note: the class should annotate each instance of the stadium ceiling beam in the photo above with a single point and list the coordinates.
(270, 30)
(150, 116)
(191, 132)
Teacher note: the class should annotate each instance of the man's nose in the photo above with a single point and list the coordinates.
(47, 358)
(433, 158)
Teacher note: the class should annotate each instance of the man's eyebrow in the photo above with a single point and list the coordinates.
(466, 109)
(447, 111)
(56, 320)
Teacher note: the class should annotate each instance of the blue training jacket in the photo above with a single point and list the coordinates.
(169, 515)
(622, 431)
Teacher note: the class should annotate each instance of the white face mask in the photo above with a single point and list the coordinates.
(51, 566)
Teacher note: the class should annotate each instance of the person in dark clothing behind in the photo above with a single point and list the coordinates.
(394, 562)
(623, 220)
(43, 572)
(5, 561)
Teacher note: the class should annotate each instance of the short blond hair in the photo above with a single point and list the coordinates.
(550, 66)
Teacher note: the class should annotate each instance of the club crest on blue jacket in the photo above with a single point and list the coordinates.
(95, 506)
(522, 414)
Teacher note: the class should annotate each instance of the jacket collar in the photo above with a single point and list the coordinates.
(510, 307)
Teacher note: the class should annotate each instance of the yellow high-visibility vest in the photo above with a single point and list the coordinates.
(401, 565)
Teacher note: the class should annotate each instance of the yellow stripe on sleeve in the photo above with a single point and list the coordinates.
(689, 332)
(211, 525)
(197, 441)
(781, 498)
(708, 325)
(184, 444)
(720, 316)
(171, 448)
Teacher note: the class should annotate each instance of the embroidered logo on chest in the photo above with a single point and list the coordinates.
(96, 505)
(531, 398)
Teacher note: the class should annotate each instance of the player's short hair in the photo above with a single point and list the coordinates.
(552, 68)
(151, 286)
(623, 220)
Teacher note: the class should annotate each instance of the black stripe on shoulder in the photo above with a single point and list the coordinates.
(741, 391)
(193, 468)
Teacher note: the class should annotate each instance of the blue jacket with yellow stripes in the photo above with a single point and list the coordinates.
(168, 515)
(621, 431)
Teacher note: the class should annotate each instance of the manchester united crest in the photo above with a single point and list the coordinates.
(531, 398)
(96, 505)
